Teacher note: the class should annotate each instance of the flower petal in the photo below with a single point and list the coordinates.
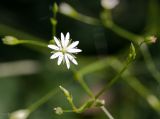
(74, 44)
(57, 42)
(74, 50)
(72, 59)
(62, 40)
(67, 61)
(67, 39)
(54, 47)
(67, 36)
(55, 55)
(60, 59)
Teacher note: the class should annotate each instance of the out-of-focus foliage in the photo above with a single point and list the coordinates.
(27, 73)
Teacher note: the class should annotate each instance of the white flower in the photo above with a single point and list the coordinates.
(109, 4)
(20, 114)
(64, 50)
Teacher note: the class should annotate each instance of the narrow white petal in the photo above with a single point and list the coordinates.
(67, 61)
(66, 43)
(74, 50)
(60, 59)
(72, 59)
(67, 36)
(67, 39)
(62, 40)
(55, 55)
(74, 44)
(54, 47)
(57, 42)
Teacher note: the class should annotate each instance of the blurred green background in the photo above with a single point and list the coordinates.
(27, 74)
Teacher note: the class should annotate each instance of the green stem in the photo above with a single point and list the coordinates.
(138, 39)
(54, 29)
(84, 85)
(6, 30)
(53, 19)
(114, 79)
(73, 106)
(83, 18)
(33, 42)
(87, 19)
(54, 25)
(149, 62)
(43, 100)
(124, 33)
(152, 17)
(132, 81)
(95, 66)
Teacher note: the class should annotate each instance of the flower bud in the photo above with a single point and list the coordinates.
(100, 103)
(151, 39)
(20, 114)
(53, 21)
(132, 54)
(10, 40)
(55, 8)
(109, 4)
(58, 110)
(65, 91)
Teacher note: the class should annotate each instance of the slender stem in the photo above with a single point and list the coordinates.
(32, 42)
(108, 114)
(6, 30)
(54, 29)
(88, 20)
(83, 18)
(133, 82)
(124, 33)
(84, 85)
(113, 80)
(152, 17)
(145, 52)
(149, 62)
(95, 66)
(73, 106)
(42, 100)
(93, 21)
(54, 24)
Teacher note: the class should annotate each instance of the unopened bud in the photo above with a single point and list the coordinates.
(151, 39)
(55, 8)
(10, 40)
(20, 114)
(109, 4)
(65, 91)
(100, 103)
(58, 110)
(53, 21)
(132, 54)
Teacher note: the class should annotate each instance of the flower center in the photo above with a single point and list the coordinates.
(63, 50)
